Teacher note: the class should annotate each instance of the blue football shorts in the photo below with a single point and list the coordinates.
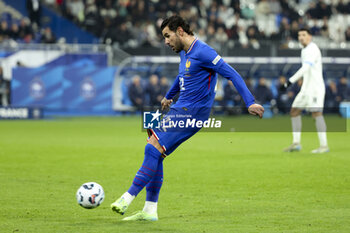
(171, 135)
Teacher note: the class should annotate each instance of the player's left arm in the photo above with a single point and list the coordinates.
(300, 73)
(214, 61)
(309, 60)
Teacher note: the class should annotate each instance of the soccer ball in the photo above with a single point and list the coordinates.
(90, 195)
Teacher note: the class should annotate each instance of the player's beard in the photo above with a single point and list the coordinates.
(178, 46)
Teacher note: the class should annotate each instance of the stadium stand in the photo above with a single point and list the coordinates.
(241, 23)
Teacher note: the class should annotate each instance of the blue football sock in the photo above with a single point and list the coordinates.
(153, 187)
(147, 170)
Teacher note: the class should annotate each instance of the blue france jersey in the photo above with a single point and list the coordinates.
(198, 76)
(197, 79)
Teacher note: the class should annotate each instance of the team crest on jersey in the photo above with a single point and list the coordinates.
(188, 64)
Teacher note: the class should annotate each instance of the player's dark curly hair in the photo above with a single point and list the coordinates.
(305, 30)
(174, 22)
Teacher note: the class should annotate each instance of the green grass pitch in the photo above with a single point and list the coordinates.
(215, 182)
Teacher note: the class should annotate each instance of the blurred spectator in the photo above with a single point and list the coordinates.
(249, 83)
(47, 37)
(151, 34)
(323, 10)
(231, 95)
(4, 30)
(211, 33)
(342, 7)
(225, 12)
(92, 20)
(312, 11)
(221, 37)
(123, 35)
(14, 32)
(262, 8)
(164, 86)
(4, 90)
(153, 90)
(324, 29)
(233, 32)
(285, 30)
(253, 36)
(294, 30)
(288, 10)
(343, 89)
(347, 34)
(136, 93)
(262, 92)
(25, 30)
(201, 35)
(75, 10)
(315, 29)
(284, 98)
(332, 99)
(107, 10)
(34, 11)
(109, 31)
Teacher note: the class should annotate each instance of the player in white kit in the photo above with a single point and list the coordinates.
(311, 95)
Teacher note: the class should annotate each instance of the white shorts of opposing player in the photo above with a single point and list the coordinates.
(311, 103)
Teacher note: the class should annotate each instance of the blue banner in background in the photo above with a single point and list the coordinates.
(89, 88)
(37, 87)
(73, 88)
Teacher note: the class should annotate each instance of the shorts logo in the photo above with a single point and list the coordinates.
(151, 120)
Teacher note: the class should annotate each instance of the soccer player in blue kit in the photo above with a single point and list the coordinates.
(196, 83)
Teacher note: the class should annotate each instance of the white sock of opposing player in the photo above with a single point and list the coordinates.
(296, 126)
(321, 130)
(150, 207)
(128, 197)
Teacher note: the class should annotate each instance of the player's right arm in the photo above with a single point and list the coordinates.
(168, 99)
(210, 59)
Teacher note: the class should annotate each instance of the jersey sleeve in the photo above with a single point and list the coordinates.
(211, 60)
(300, 73)
(308, 58)
(310, 55)
(175, 88)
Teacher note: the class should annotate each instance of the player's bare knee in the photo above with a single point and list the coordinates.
(294, 112)
(154, 142)
(316, 114)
